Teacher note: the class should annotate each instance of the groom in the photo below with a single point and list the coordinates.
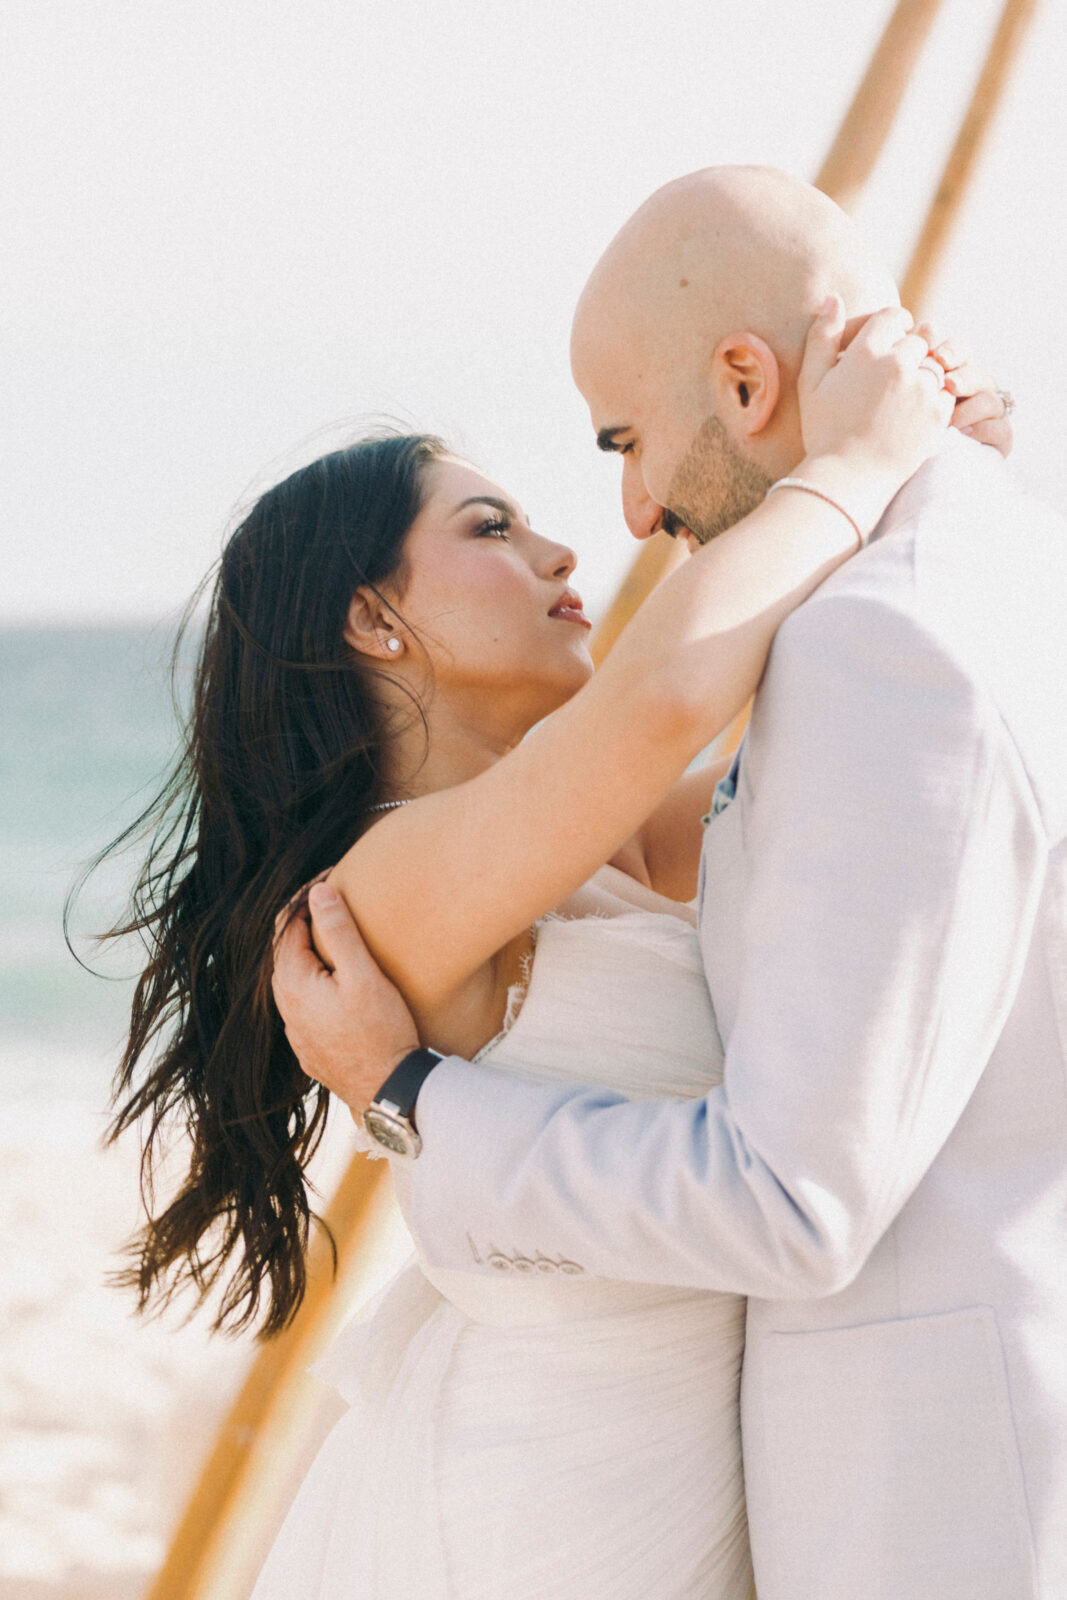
(883, 918)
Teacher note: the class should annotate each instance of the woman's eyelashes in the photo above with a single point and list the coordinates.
(496, 528)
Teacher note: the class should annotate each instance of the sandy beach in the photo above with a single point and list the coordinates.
(105, 1418)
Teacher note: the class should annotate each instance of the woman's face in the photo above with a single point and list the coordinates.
(491, 601)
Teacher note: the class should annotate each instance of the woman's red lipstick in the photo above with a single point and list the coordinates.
(568, 608)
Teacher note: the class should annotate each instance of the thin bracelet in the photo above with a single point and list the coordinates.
(810, 488)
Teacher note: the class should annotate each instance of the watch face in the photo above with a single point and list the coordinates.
(391, 1132)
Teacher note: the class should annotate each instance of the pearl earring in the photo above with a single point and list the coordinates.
(392, 644)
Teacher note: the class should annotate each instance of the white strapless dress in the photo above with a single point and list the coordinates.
(540, 1435)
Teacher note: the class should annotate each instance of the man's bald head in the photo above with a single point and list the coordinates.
(733, 247)
(723, 252)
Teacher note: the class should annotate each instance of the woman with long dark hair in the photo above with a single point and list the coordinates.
(386, 628)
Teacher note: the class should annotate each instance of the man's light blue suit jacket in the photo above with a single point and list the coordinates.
(884, 1170)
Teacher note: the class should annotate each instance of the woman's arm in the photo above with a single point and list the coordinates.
(441, 885)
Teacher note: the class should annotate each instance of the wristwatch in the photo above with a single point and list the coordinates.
(389, 1117)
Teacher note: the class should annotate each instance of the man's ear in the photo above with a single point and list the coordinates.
(747, 382)
(370, 624)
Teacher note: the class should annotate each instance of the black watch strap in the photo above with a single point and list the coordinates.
(401, 1087)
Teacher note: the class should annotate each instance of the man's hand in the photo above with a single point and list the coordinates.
(347, 1024)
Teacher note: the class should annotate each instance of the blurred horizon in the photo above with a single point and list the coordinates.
(88, 728)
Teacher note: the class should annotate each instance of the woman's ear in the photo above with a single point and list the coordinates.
(370, 626)
(747, 382)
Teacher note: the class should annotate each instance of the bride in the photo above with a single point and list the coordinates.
(386, 628)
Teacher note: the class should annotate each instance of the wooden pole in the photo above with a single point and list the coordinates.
(869, 119)
(219, 1497)
(963, 159)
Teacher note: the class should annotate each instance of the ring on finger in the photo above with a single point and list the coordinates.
(932, 365)
(1006, 401)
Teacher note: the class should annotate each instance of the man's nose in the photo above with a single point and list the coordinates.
(641, 513)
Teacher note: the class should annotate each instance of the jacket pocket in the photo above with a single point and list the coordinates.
(888, 1464)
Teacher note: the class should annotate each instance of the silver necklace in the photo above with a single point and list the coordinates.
(389, 805)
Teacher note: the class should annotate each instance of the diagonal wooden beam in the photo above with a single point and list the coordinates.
(1007, 41)
(869, 119)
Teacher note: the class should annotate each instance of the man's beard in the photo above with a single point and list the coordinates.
(714, 486)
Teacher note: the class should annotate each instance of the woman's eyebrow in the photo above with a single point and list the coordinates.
(491, 500)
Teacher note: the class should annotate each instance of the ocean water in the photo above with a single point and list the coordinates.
(87, 728)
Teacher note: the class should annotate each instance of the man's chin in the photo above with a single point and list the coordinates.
(694, 531)
(681, 530)
(744, 499)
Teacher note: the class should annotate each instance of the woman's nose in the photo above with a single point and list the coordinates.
(560, 560)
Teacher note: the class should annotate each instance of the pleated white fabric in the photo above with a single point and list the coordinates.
(543, 1437)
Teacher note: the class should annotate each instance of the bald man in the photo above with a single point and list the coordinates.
(883, 919)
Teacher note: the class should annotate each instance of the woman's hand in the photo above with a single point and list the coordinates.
(882, 400)
(980, 411)
(871, 413)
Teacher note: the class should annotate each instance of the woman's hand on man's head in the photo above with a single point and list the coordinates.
(981, 408)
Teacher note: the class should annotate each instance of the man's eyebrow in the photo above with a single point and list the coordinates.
(606, 438)
(497, 504)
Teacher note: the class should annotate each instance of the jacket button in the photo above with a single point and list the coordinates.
(544, 1265)
(522, 1264)
(571, 1268)
(500, 1263)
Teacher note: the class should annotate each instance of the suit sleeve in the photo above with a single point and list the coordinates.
(895, 858)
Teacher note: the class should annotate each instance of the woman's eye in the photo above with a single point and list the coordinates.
(494, 530)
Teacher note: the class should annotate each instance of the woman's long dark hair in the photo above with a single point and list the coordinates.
(281, 759)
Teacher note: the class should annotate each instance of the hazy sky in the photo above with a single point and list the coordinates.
(234, 229)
